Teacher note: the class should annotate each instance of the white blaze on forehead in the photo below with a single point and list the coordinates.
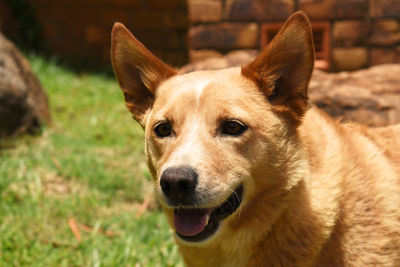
(186, 84)
(196, 82)
(198, 87)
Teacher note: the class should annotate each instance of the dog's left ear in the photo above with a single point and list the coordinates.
(138, 71)
(282, 71)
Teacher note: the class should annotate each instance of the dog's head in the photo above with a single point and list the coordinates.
(217, 142)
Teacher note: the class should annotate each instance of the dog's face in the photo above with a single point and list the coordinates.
(215, 139)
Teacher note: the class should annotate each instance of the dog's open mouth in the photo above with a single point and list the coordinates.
(194, 225)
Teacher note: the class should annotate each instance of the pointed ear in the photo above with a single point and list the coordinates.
(282, 71)
(138, 71)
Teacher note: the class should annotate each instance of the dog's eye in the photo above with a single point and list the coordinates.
(233, 127)
(163, 129)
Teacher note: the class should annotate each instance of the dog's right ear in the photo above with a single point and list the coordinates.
(282, 71)
(138, 71)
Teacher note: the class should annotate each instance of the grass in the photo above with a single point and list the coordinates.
(87, 165)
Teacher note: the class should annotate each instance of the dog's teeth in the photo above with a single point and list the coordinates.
(207, 219)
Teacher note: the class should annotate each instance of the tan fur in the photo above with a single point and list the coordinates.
(316, 192)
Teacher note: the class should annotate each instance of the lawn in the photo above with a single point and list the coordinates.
(85, 170)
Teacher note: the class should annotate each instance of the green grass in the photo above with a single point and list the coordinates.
(87, 165)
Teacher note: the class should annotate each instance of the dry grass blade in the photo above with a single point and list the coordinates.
(74, 228)
(89, 229)
(143, 206)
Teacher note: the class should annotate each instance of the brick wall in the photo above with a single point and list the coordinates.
(362, 32)
(8, 23)
(80, 29)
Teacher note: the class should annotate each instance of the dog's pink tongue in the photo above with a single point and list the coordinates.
(190, 222)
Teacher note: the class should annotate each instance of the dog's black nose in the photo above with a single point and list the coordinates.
(178, 184)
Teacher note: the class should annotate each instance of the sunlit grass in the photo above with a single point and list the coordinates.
(87, 165)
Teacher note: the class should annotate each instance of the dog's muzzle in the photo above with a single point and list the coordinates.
(194, 224)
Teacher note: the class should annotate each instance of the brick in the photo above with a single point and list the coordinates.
(384, 55)
(91, 3)
(111, 15)
(350, 33)
(385, 32)
(148, 19)
(69, 13)
(176, 19)
(66, 48)
(105, 54)
(175, 58)
(350, 58)
(163, 3)
(384, 8)
(162, 40)
(45, 14)
(224, 36)
(8, 23)
(75, 27)
(202, 54)
(67, 31)
(259, 10)
(205, 10)
(126, 3)
(51, 31)
(97, 34)
(72, 3)
(160, 19)
(333, 9)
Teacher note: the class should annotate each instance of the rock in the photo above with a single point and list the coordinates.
(384, 55)
(232, 59)
(202, 54)
(23, 102)
(370, 96)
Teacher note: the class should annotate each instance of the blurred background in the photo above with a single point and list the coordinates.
(74, 188)
(180, 31)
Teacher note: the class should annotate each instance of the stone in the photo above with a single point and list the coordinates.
(259, 10)
(384, 55)
(350, 58)
(23, 102)
(202, 54)
(224, 36)
(385, 32)
(333, 9)
(384, 8)
(205, 10)
(370, 96)
(232, 59)
(350, 33)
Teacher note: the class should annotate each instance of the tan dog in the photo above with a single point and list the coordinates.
(248, 174)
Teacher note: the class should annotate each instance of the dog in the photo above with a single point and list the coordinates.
(248, 173)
